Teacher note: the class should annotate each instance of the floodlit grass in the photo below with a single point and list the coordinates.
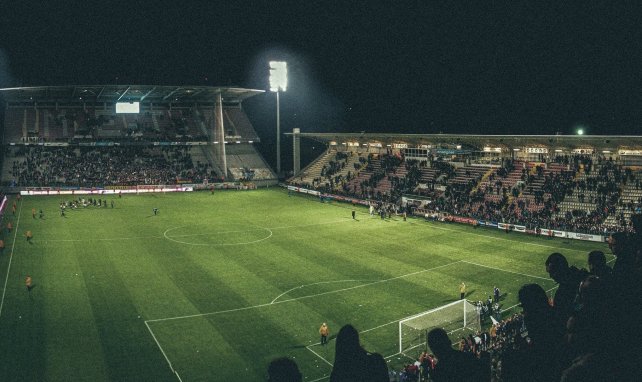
(218, 285)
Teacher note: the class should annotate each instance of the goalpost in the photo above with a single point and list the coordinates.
(458, 315)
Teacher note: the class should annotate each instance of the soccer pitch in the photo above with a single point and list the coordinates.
(215, 286)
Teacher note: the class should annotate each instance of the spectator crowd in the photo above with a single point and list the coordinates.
(512, 193)
(588, 332)
(39, 166)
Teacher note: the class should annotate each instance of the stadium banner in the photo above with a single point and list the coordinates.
(552, 232)
(98, 143)
(328, 197)
(512, 227)
(220, 186)
(94, 191)
(459, 219)
(519, 228)
(504, 226)
(585, 236)
(304, 191)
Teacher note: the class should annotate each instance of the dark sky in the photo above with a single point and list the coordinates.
(504, 67)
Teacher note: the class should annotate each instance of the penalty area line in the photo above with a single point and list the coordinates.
(169, 363)
(317, 354)
(302, 297)
(505, 270)
(13, 245)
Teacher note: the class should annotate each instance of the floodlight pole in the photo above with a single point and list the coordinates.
(278, 81)
(278, 136)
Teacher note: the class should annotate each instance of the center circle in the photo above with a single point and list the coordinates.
(194, 235)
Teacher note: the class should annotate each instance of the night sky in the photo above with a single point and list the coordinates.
(489, 67)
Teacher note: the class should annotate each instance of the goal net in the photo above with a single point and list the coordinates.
(456, 316)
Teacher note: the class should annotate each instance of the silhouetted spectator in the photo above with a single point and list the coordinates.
(592, 339)
(626, 288)
(539, 319)
(542, 347)
(284, 370)
(453, 365)
(569, 279)
(597, 265)
(352, 363)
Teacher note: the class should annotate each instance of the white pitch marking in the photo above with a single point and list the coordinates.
(300, 298)
(307, 285)
(13, 245)
(504, 270)
(218, 244)
(320, 379)
(186, 235)
(163, 351)
(108, 239)
(317, 354)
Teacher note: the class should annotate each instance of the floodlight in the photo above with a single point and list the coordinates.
(580, 131)
(278, 82)
(278, 76)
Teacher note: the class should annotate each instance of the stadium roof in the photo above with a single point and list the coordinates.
(126, 93)
(471, 140)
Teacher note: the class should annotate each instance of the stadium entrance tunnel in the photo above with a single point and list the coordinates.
(230, 234)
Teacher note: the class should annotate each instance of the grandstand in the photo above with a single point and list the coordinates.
(74, 136)
(587, 184)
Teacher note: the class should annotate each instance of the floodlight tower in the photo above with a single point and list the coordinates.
(278, 82)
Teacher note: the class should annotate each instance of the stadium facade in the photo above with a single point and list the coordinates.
(551, 184)
(205, 126)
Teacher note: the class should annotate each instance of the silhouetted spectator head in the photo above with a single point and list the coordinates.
(596, 260)
(619, 243)
(439, 342)
(533, 299)
(284, 370)
(592, 293)
(557, 266)
(589, 328)
(348, 340)
(353, 363)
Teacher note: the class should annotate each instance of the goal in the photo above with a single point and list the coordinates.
(458, 315)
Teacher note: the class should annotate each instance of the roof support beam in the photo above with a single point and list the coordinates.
(125, 92)
(146, 94)
(171, 93)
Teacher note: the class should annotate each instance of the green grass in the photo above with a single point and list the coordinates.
(220, 284)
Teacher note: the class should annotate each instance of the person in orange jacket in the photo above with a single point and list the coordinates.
(324, 331)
